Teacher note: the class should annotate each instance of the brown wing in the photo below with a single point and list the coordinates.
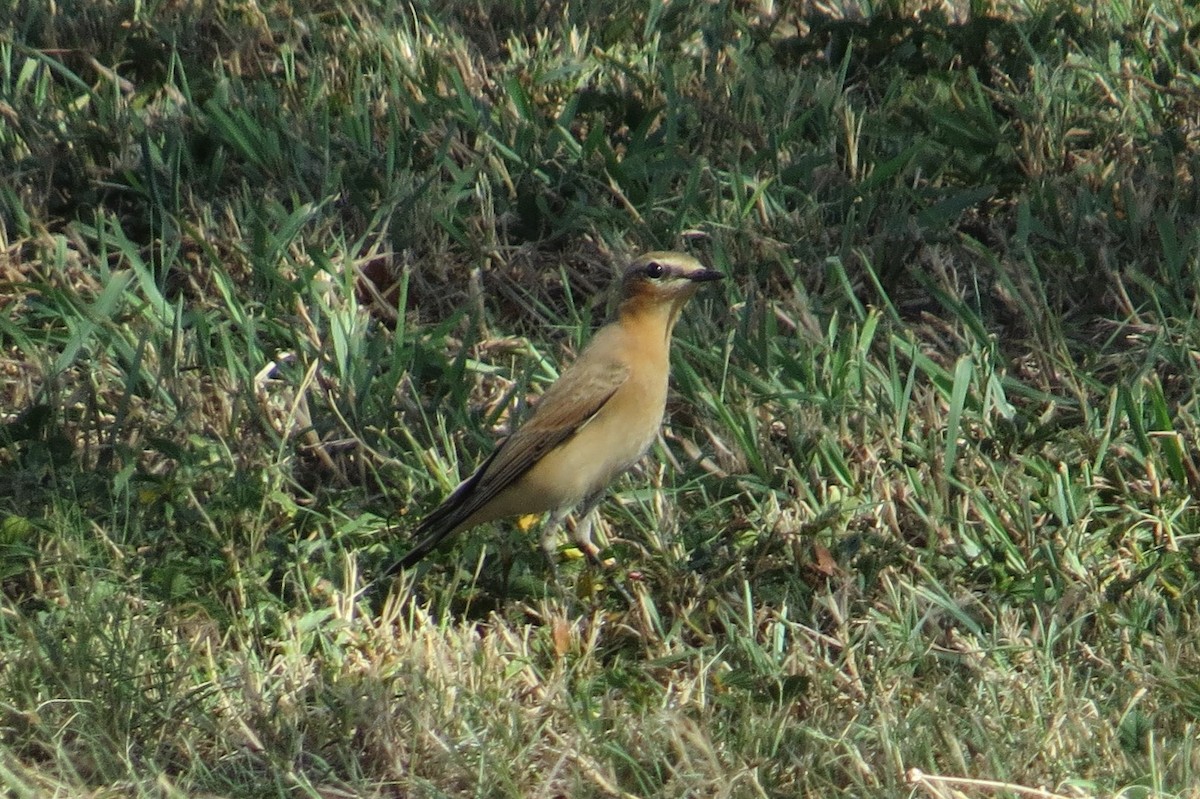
(574, 399)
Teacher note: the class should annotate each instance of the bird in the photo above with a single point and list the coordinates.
(594, 422)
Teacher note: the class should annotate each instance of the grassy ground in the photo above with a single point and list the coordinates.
(274, 277)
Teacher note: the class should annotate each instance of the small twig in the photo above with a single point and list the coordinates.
(933, 782)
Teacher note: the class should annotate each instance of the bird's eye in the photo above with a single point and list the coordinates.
(654, 270)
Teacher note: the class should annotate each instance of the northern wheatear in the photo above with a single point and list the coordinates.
(593, 423)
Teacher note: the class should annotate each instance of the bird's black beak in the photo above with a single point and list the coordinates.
(705, 276)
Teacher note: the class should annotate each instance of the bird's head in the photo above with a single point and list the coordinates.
(661, 283)
(664, 277)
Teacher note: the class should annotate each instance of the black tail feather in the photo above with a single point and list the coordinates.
(444, 520)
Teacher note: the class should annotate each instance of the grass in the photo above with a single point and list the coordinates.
(921, 519)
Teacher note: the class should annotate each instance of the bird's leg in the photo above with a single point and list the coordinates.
(550, 536)
(582, 535)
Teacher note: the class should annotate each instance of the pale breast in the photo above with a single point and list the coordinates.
(608, 444)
